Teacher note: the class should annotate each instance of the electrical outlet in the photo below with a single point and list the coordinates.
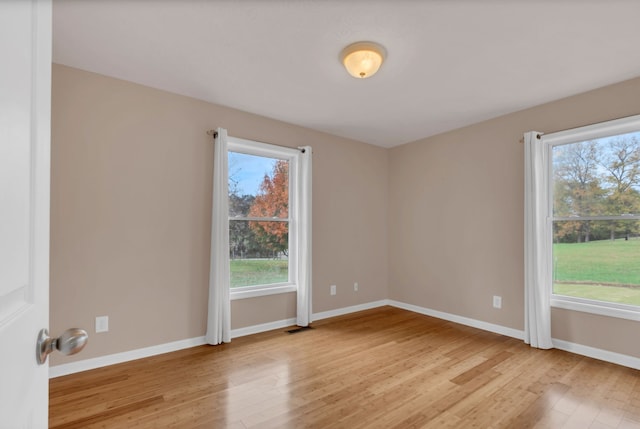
(333, 289)
(355, 287)
(102, 324)
(497, 301)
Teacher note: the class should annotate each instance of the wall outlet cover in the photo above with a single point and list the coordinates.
(102, 324)
(497, 302)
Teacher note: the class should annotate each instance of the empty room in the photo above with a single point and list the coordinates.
(320, 214)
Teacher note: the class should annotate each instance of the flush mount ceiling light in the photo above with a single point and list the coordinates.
(363, 59)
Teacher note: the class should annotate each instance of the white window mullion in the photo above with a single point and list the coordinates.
(261, 219)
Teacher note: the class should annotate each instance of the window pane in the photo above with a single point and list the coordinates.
(258, 252)
(258, 186)
(598, 260)
(597, 177)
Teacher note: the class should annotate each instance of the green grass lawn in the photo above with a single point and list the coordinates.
(249, 272)
(593, 270)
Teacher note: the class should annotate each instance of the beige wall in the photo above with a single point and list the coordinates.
(456, 218)
(437, 223)
(131, 206)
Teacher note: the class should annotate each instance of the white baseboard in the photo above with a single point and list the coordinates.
(485, 326)
(87, 364)
(346, 310)
(93, 363)
(592, 352)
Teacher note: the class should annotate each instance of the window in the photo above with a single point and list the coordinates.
(262, 224)
(594, 204)
(267, 229)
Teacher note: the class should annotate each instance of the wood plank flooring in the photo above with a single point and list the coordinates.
(381, 368)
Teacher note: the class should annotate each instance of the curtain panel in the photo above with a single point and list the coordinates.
(219, 314)
(537, 270)
(303, 316)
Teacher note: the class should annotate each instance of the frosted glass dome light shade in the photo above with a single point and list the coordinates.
(363, 59)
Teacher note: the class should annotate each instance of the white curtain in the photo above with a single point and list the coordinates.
(303, 317)
(219, 315)
(537, 272)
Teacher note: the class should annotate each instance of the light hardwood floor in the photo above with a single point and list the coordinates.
(381, 368)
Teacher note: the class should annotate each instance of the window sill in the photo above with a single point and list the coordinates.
(593, 307)
(252, 293)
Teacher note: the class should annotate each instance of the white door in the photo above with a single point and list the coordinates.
(25, 116)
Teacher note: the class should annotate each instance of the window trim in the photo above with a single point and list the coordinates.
(249, 147)
(602, 308)
(589, 132)
(262, 290)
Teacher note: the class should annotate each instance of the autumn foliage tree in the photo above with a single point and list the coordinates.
(272, 201)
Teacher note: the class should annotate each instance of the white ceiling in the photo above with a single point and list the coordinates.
(450, 63)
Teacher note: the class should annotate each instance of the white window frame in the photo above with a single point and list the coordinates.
(575, 135)
(250, 147)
